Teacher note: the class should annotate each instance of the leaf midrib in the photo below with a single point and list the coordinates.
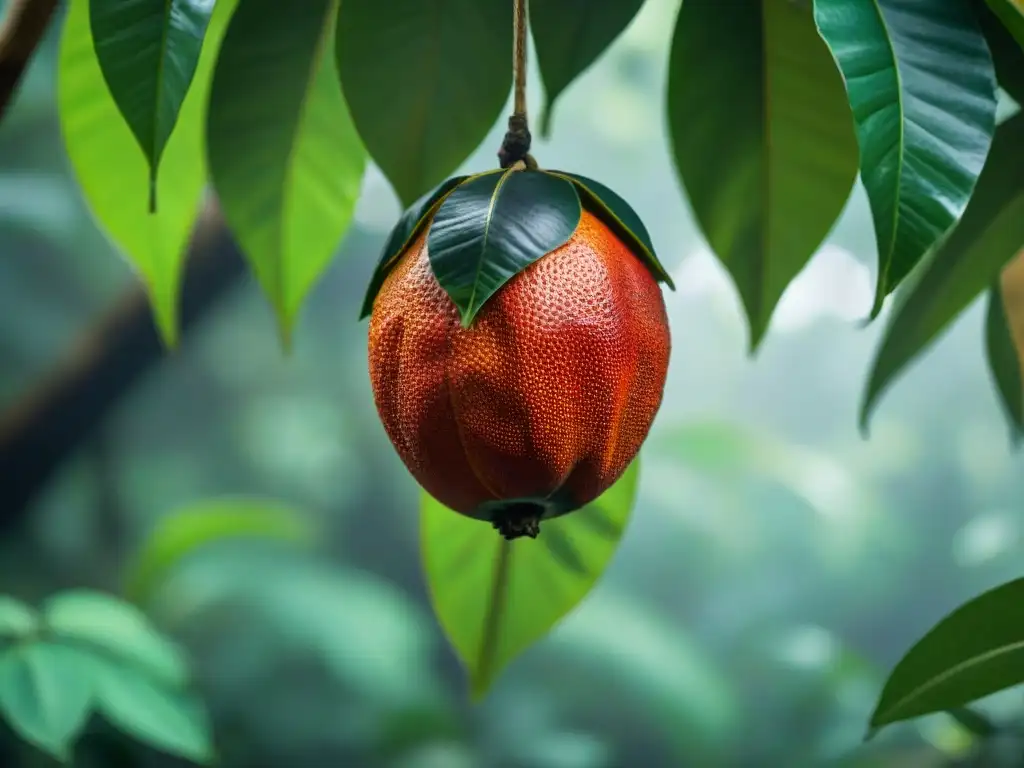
(483, 243)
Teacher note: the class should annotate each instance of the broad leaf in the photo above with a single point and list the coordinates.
(45, 695)
(284, 156)
(17, 620)
(767, 170)
(1004, 341)
(921, 83)
(148, 51)
(569, 36)
(975, 651)
(117, 630)
(183, 532)
(996, 19)
(989, 234)
(492, 227)
(493, 597)
(425, 82)
(113, 171)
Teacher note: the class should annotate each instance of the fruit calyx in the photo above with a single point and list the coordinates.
(516, 519)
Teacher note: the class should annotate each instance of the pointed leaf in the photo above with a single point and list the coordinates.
(989, 234)
(1004, 341)
(620, 217)
(495, 598)
(17, 620)
(492, 227)
(425, 81)
(183, 532)
(284, 156)
(975, 651)
(148, 51)
(569, 36)
(45, 695)
(921, 83)
(1007, 52)
(768, 170)
(113, 171)
(117, 629)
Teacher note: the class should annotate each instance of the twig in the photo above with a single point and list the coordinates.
(516, 144)
(22, 31)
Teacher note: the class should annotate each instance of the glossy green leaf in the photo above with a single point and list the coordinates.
(425, 82)
(113, 171)
(1004, 341)
(569, 36)
(494, 226)
(17, 620)
(767, 170)
(975, 651)
(284, 155)
(619, 215)
(493, 597)
(404, 232)
(183, 532)
(148, 51)
(118, 630)
(986, 238)
(1003, 27)
(920, 79)
(45, 695)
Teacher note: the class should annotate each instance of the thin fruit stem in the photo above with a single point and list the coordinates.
(516, 145)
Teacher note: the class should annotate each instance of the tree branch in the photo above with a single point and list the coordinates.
(22, 31)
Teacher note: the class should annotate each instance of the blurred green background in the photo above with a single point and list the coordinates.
(777, 564)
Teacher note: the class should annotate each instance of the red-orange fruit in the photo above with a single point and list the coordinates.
(548, 395)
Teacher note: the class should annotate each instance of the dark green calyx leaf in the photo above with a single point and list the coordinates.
(620, 218)
(492, 227)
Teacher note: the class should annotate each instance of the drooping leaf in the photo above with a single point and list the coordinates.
(116, 629)
(922, 86)
(986, 238)
(569, 36)
(1011, 13)
(975, 651)
(183, 532)
(425, 82)
(1004, 341)
(45, 695)
(493, 597)
(492, 227)
(769, 169)
(17, 620)
(997, 19)
(284, 155)
(113, 171)
(608, 206)
(148, 51)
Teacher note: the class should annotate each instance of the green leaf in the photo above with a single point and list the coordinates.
(404, 232)
(171, 720)
(1005, 361)
(45, 695)
(569, 36)
(425, 81)
(113, 171)
(116, 629)
(284, 155)
(1011, 13)
(183, 532)
(997, 18)
(490, 228)
(920, 79)
(986, 238)
(17, 620)
(975, 651)
(769, 169)
(493, 597)
(148, 51)
(608, 206)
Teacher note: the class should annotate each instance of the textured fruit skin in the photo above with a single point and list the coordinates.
(550, 392)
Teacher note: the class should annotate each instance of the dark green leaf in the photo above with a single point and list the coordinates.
(569, 36)
(17, 620)
(921, 83)
(1004, 341)
(608, 206)
(148, 51)
(45, 695)
(425, 82)
(183, 532)
(989, 234)
(975, 651)
(768, 169)
(494, 598)
(997, 18)
(1011, 13)
(113, 172)
(492, 227)
(284, 155)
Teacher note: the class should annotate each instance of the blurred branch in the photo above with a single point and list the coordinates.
(56, 417)
(22, 30)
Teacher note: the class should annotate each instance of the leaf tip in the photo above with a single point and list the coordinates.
(545, 120)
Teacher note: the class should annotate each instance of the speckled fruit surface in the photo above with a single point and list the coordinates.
(549, 394)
